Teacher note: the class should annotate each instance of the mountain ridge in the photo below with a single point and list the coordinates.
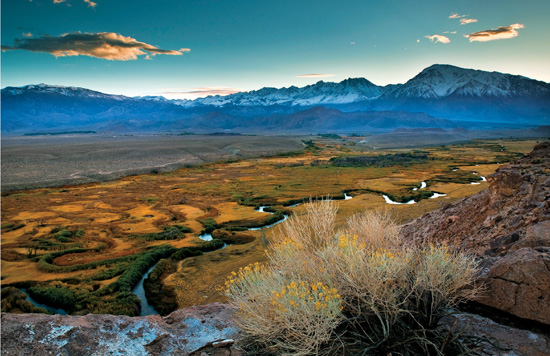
(467, 97)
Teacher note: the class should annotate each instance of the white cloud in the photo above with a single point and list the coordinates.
(467, 21)
(202, 92)
(439, 39)
(456, 16)
(500, 33)
(314, 75)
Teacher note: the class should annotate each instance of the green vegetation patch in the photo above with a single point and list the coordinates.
(209, 224)
(54, 296)
(45, 262)
(15, 301)
(7, 227)
(460, 177)
(133, 274)
(389, 160)
(169, 233)
(330, 135)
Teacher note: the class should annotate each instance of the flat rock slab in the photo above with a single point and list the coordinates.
(180, 333)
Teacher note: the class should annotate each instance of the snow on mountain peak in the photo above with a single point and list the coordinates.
(443, 80)
(435, 82)
(348, 91)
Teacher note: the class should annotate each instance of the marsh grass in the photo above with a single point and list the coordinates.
(359, 290)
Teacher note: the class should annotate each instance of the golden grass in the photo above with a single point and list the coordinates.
(28, 215)
(71, 208)
(14, 272)
(198, 279)
(233, 211)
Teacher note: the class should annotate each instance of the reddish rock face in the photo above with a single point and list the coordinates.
(507, 226)
(521, 281)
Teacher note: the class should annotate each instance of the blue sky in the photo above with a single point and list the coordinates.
(194, 48)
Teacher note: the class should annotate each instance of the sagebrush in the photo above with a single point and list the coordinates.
(358, 290)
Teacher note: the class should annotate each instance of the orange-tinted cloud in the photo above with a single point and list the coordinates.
(467, 21)
(439, 39)
(500, 33)
(27, 34)
(90, 3)
(106, 45)
(314, 75)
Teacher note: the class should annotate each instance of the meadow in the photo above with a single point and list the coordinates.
(84, 247)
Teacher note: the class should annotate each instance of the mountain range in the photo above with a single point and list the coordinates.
(441, 96)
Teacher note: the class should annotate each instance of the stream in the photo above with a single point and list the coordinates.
(261, 209)
(48, 308)
(139, 291)
(422, 186)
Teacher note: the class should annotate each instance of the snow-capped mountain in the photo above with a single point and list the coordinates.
(74, 92)
(347, 91)
(442, 81)
(438, 81)
(162, 99)
(456, 96)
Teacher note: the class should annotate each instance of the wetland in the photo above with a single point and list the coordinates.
(85, 248)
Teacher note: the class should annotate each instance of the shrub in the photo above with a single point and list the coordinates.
(169, 233)
(209, 224)
(360, 290)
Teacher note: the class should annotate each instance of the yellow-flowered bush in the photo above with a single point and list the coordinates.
(358, 290)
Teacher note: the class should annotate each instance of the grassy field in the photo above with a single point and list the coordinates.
(91, 241)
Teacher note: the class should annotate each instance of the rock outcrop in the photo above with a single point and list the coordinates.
(485, 337)
(507, 226)
(181, 333)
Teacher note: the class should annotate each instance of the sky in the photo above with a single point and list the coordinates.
(189, 49)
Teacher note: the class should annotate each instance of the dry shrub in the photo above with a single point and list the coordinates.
(361, 290)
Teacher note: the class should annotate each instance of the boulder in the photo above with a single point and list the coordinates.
(519, 283)
(487, 338)
(181, 333)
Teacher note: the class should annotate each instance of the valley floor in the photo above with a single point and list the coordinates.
(82, 240)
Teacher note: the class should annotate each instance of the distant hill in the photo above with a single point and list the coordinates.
(441, 96)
